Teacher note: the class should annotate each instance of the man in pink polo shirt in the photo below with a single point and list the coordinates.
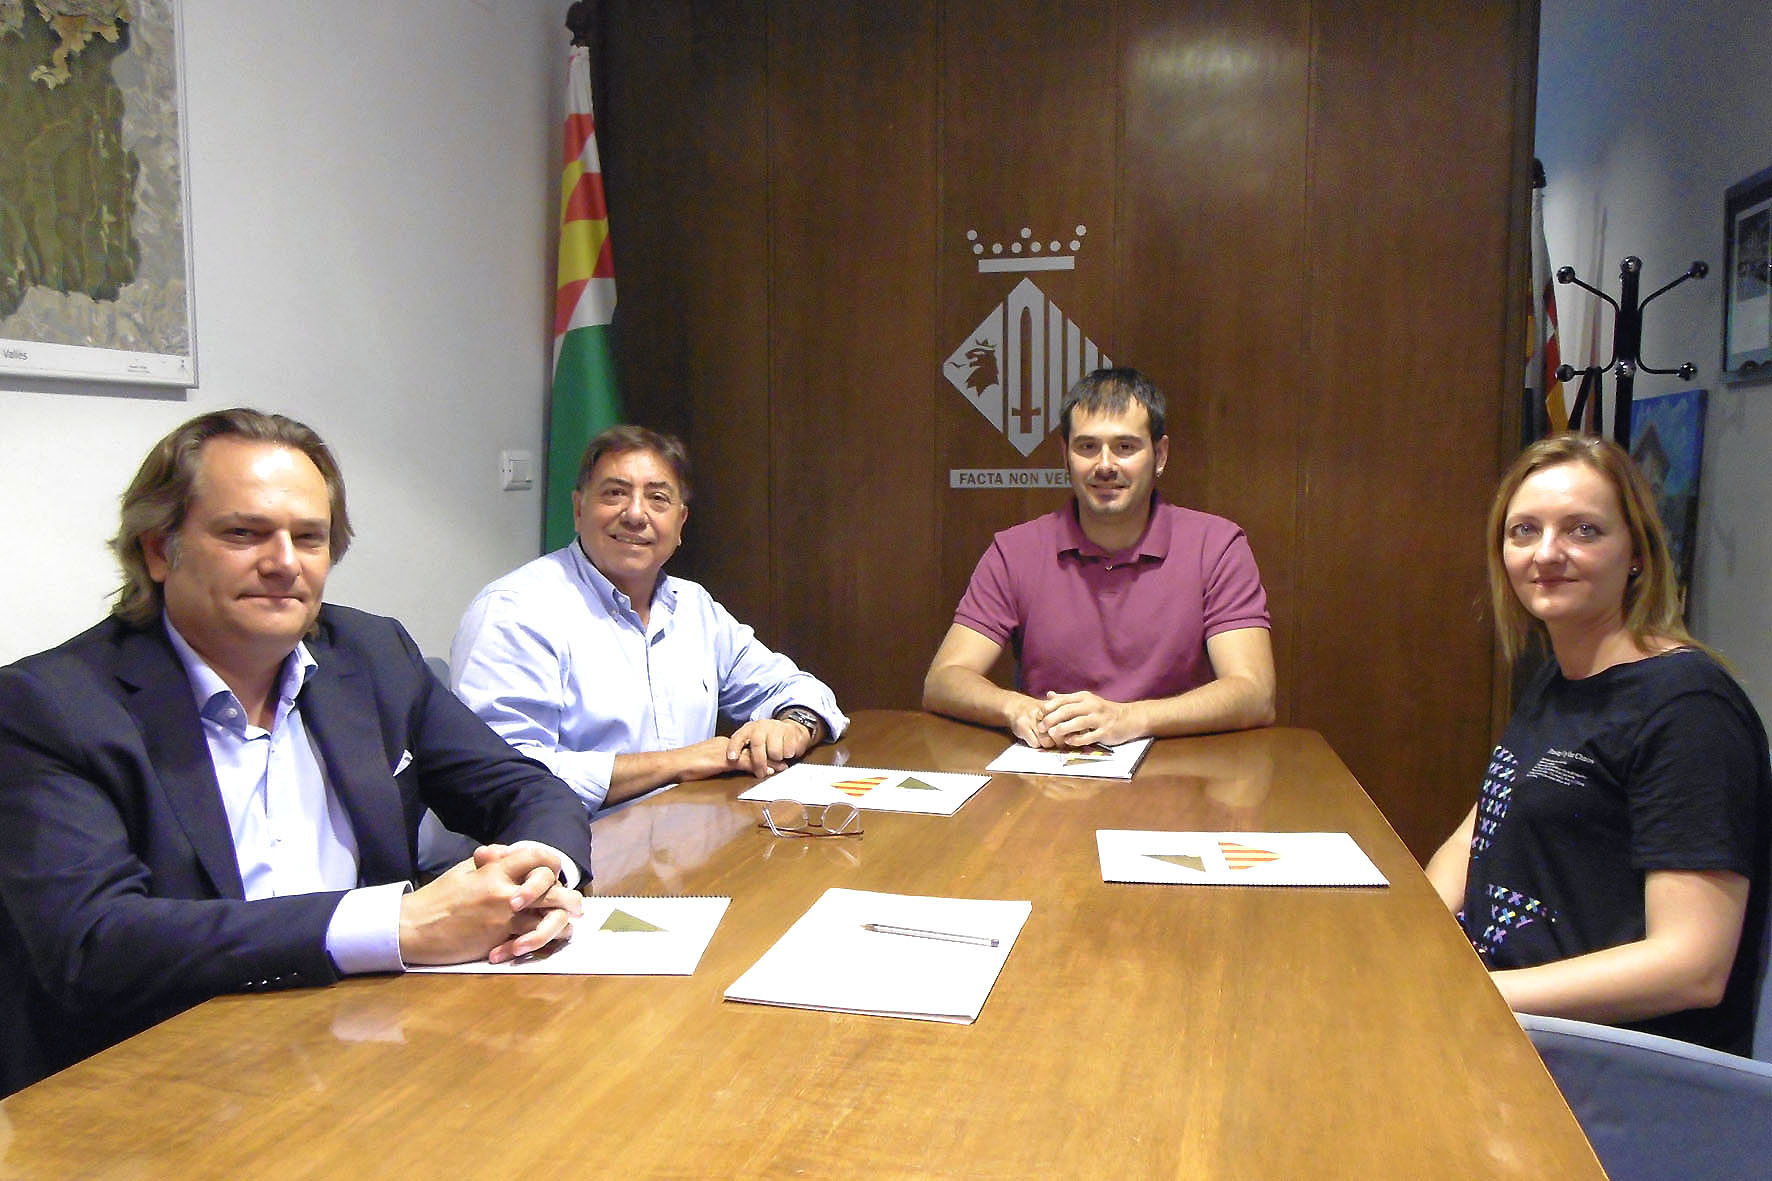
(1128, 616)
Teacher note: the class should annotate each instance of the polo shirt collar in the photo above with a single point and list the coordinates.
(1153, 543)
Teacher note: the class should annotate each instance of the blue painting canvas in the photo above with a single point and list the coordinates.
(1667, 441)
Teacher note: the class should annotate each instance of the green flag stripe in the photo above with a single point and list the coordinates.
(585, 401)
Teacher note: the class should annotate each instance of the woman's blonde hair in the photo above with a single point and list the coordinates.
(1652, 607)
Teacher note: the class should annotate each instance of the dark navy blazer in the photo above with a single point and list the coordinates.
(121, 891)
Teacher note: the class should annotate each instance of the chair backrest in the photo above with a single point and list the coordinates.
(1763, 1009)
(439, 668)
(1763, 1019)
(1655, 1107)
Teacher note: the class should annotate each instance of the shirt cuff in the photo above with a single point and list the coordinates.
(822, 704)
(834, 721)
(566, 867)
(364, 934)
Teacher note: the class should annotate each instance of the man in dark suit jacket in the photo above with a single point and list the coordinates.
(143, 870)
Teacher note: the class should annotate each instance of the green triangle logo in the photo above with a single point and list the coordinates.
(1185, 860)
(915, 784)
(621, 920)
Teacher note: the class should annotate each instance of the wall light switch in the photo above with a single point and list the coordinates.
(516, 470)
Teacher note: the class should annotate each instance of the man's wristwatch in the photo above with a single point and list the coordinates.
(807, 718)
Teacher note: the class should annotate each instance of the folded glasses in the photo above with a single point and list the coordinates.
(790, 818)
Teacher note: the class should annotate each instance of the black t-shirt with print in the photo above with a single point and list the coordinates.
(1657, 764)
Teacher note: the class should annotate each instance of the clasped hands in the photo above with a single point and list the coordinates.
(503, 902)
(1073, 719)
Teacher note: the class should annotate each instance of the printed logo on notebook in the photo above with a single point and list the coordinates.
(621, 920)
(1186, 860)
(1245, 856)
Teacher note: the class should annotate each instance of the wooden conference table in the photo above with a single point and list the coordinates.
(1136, 1030)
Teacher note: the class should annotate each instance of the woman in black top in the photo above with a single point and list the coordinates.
(1615, 866)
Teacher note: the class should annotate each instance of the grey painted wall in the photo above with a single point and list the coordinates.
(1647, 112)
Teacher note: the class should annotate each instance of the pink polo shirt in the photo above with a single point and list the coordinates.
(1130, 625)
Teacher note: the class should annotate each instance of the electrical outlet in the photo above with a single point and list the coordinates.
(516, 470)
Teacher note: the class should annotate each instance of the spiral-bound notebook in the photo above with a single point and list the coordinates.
(1092, 762)
(1235, 858)
(621, 937)
(871, 789)
(888, 955)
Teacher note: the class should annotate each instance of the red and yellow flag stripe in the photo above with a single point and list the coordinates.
(585, 397)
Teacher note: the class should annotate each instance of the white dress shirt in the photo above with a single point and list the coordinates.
(291, 834)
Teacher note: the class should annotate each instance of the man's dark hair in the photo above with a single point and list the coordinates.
(1112, 390)
(618, 440)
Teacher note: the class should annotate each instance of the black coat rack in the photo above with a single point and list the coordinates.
(1627, 343)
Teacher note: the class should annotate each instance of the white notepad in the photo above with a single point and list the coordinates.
(871, 789)
(620, 937)
(1094, 762)
(888, 955)
(1235, 858)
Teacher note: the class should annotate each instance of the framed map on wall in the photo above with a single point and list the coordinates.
(94, 219)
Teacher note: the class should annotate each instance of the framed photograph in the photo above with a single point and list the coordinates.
(95, 227)
(1747, 279)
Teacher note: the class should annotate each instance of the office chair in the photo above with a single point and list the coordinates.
(1657, 1107)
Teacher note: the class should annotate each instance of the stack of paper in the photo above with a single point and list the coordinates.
(621, 937)
(888, 955)
(1095, 762)
(871, 789)
(1235, 858)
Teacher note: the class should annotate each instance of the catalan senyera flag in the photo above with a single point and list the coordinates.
(585, 398)
(1543, 350)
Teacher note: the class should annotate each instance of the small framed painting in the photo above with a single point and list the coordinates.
(1667, 441)
(1747, 279)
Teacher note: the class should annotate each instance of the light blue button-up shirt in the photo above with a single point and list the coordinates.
(291, 833)
(555, 659)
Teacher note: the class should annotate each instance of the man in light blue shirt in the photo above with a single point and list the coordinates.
(614, 675)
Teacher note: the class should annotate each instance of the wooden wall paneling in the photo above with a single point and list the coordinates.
(853, 191)
(1301, 221)
(1519, 296)
(1212, 173)
(1028, 141)
(725, 309)
(686, 160)
(640, 139)
(1412, 162)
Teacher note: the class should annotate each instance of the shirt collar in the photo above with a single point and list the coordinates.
(1153, 543)
(207, 685)
(613, 598)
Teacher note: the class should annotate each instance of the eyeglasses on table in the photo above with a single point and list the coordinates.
(790, 818)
